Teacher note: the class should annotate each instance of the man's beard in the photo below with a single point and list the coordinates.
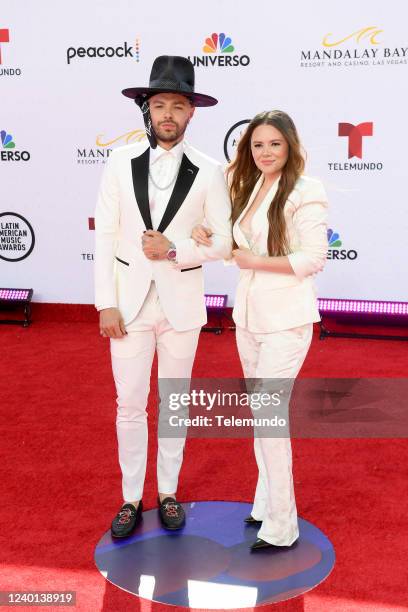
(174, 136)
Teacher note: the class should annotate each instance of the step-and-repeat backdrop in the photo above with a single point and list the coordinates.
(339, 70)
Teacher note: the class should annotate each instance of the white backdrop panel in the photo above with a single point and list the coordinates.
(56, 112)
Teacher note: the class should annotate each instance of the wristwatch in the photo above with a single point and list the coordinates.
(172, 252)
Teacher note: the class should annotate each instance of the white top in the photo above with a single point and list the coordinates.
(247, 231)
(163, 167)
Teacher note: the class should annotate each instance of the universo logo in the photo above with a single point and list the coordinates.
(8, 154)
(335, 242)
(121, 51)
(219, 52)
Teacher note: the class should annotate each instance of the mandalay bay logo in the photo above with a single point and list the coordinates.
(99, 154)
(363, 47)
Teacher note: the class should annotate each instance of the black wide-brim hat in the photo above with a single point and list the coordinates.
(171, 74)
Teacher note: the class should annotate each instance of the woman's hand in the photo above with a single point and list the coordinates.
(245, 259)
(201, 235)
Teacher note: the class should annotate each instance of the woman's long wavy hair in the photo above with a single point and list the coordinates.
(243, 175)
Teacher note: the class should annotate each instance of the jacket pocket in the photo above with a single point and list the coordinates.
(188, 269)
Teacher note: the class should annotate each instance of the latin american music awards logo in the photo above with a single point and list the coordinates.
(100, 153)
(232, 138)
(17, 237)
(219, 52)
(334, 252)
(8, 152)
(354, 136)
(4, 55)
(364, 47)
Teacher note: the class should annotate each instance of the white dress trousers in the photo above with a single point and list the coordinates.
(266, 356)
(132, 358)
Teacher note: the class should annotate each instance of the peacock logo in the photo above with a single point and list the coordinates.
(333, 238)
(334, 252)
(7, 140)
(219, 42)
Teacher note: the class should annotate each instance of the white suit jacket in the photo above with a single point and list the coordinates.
(122, 272)
(267, 301)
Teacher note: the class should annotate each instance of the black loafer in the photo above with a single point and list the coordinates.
(262, 545)
(171, 513)
(126, 520)
(251, 521)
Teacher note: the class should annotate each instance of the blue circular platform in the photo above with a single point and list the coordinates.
(208, 564)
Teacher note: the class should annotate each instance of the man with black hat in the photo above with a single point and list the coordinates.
(148, 271)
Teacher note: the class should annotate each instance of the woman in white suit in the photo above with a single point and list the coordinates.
(280, 234)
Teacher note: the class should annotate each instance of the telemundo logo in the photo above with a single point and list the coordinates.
(6, 38)
(219, 52)
(334, 252)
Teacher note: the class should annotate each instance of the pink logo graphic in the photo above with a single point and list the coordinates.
(355, 135)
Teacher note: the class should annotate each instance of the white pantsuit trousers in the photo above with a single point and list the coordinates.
(132, 358)
(268, 356)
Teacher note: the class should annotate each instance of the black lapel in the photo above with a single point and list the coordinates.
(140, 176)
(186, 176)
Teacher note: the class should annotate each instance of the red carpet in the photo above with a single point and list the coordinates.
(61, 483)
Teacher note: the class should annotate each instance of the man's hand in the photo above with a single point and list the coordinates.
(201, 235)
(245, 259)
(111, 323)
(155, 245)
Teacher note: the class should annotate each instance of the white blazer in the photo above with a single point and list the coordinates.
(122, 272)
(268, 301)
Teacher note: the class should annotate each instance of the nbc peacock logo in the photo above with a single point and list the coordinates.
(219, 42)
(7, 140)
(219, 51)
(8, 152)
(334, 252)
(333, 239)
